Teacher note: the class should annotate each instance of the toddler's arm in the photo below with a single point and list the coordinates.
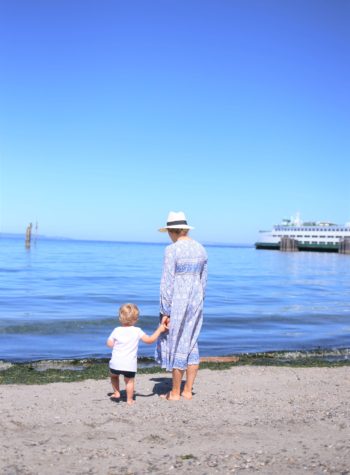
(151, 339)
(110, 342)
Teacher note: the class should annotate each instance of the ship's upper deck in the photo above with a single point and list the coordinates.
(313, 227)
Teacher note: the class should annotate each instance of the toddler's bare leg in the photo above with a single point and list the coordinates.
(115, 385)
(129, 386)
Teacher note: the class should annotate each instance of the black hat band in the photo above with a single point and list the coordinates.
(173, 223)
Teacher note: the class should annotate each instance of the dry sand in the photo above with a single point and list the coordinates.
(243, 420)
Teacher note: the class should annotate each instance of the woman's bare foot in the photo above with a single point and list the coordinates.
(116, 394)
(186, 395)
(170, 396)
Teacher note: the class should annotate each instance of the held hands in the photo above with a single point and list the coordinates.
(165, 323)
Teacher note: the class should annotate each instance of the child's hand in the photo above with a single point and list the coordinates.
(166, 321)
(163, 328)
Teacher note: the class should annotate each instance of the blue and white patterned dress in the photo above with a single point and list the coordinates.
(182, 292)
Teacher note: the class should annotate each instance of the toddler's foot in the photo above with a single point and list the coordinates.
(170, 396)
(130, 402)
(116, 394)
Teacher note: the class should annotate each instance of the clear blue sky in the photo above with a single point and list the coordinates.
(113, 113)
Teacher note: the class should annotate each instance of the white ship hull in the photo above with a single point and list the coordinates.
(306, 236)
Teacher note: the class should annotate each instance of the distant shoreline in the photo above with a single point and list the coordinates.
(42, 237)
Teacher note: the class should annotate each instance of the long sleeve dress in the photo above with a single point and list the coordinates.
(182, 292)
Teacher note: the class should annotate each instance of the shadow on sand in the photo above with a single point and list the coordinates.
(161, 386)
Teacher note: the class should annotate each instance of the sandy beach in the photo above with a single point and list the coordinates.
(269, 420)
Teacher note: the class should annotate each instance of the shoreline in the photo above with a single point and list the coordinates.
(245, 419)
(72, 370)
(317, 351)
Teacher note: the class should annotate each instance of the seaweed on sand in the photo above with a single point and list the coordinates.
(52, 371)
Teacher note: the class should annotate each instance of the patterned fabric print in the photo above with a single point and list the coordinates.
(190, 267)
(182, 292)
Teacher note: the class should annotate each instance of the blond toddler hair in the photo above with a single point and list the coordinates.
(128, 314)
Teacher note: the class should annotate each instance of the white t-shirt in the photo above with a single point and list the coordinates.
(124, 353)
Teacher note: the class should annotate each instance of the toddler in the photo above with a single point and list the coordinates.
(125, 341)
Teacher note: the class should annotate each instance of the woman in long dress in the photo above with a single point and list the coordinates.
(182, 293)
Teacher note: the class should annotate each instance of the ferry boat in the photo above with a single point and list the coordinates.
(295, 235)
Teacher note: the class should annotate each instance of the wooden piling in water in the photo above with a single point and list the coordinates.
(288, 244)
(28, 235)
(344, 246)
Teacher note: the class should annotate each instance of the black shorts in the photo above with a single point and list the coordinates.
(127, 374)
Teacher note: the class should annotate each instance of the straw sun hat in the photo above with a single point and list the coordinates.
(176, 220)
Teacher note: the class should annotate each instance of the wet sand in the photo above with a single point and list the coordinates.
(266, 420)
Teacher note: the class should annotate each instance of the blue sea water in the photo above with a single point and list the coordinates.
(60, 298)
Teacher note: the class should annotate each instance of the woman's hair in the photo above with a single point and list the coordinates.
(128, 314)
(179, 232)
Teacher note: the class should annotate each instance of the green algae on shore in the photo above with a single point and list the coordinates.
(52, 371)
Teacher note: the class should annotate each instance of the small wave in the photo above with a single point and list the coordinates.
(56, 326)
(7, 270)
(319, 354)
